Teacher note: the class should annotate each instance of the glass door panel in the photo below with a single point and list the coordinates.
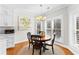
(57, 27)
(77, 30)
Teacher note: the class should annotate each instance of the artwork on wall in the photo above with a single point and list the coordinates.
(23, 23)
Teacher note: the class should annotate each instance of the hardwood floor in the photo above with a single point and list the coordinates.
(19, 46)
(66, 51)
(16, 49)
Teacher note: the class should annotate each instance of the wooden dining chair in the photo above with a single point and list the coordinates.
(51, 44)
(36, 44)
(29, 38)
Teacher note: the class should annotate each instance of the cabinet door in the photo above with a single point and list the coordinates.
(10, 41)
(10, 20)
(2, 46)
(7, 17)
(1, 20)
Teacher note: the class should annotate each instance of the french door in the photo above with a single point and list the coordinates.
(57, 27)
(40, 26)
(77, 30)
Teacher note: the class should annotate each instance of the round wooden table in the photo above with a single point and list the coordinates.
(39, 42)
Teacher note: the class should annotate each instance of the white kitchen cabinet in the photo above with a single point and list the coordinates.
(6, 17)
(9, 40)
(1, 20)
(6, 41)
(2, 45)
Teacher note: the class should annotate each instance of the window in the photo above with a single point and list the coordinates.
(57, 27)
(38, 27)
(77, 30)
(49, 27)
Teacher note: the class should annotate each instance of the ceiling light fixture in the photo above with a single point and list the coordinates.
(40, 17)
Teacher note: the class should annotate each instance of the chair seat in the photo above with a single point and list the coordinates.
(48, 44)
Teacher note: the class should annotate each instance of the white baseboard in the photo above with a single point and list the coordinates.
(68, 47)
(20, 41)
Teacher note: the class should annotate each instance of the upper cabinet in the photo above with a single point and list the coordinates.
(6, 17)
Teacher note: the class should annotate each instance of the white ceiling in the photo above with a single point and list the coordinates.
(31, 5)
(33, 8)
